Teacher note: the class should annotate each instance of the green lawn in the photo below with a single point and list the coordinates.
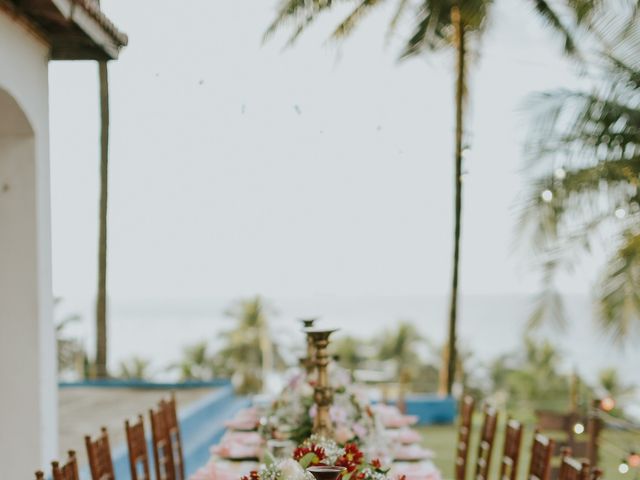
(442, 440)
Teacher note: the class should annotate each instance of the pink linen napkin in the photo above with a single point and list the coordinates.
(405, 436)
(399, 421)
(415, 471)
(412, 452)
(243, 438)
(233, 450)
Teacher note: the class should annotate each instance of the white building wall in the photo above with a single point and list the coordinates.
(28, 390)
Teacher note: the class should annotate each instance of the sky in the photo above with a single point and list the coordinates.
(239, 167)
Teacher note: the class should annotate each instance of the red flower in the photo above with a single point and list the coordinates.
(351, 459)
(253, 475)
(303, 450)
(375, 463)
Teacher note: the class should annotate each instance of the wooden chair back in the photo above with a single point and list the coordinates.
(99, 455)
(39, 475)
(137, 446)
(511, 450)
(161, 444)
(485, 447)
(68, 471)
(572, 469)
(541, 453)
(595, 473)
(170, 408)
(464, 435)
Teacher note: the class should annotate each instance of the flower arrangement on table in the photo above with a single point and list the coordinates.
(320, 451)
(291, 414)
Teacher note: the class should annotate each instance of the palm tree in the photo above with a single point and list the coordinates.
(586, 176)
(438, 25)
(195, 363)
(249, 350)
(101, 304)
(136, 368)
(399, 345)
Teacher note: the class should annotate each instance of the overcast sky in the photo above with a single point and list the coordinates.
(239, 168)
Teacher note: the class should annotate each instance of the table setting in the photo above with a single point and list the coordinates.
(321, 426)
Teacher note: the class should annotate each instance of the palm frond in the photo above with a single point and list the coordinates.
(351, 21)
(619, 290)
(298, 15)
(548, 13)
(400, 10)
(548, 305)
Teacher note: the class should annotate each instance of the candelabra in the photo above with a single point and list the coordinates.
(308, 362)
(323, 393)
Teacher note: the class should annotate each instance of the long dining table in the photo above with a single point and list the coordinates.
(242, 446)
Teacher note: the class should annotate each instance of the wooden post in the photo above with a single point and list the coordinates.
(593, 429)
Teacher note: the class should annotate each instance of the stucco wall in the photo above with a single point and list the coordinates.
(28, 400)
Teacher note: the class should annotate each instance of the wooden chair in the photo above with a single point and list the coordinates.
(595, 474)
(511, 450)
(170, 409)
(464, 435)
(485, 447)
(99, 455)
(68, 471)
(572, 469)
(541, 453)
(161, 444)
(138, 454)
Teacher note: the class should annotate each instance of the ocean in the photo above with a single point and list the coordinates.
(489, 325)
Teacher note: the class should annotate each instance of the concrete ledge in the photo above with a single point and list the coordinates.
(432, 409)
(118, 383)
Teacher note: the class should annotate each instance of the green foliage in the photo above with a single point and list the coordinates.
(196, 363)
(349, 352)
(585, 161)
(248, 349)
(135, 368)
(530, 379)
(400, 346)
(70, 351)
(246, 352)
(610, 383)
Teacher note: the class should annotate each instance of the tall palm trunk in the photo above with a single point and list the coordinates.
(101, 304)
(451, 351)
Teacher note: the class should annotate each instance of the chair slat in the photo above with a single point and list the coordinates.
(68, 471)
(485, 446)
(541, 453)
(173, 426)
(99, 454)
(511, 450)
(137, 446)
(161, 444)
(464, 435)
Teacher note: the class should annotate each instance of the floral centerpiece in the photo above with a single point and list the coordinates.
(320, 451)
(291, 414)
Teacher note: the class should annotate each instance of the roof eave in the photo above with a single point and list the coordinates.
(106, 42)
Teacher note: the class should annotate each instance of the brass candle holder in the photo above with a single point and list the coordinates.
(309, 362)
(323, 393)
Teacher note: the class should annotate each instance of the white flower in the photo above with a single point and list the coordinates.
(291, 470)
(306, 390)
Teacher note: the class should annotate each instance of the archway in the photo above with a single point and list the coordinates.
(27, 362)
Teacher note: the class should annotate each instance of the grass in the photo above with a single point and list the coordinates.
(442, 440)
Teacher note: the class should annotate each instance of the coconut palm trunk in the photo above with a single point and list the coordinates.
(101, 304)
(450, 352)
